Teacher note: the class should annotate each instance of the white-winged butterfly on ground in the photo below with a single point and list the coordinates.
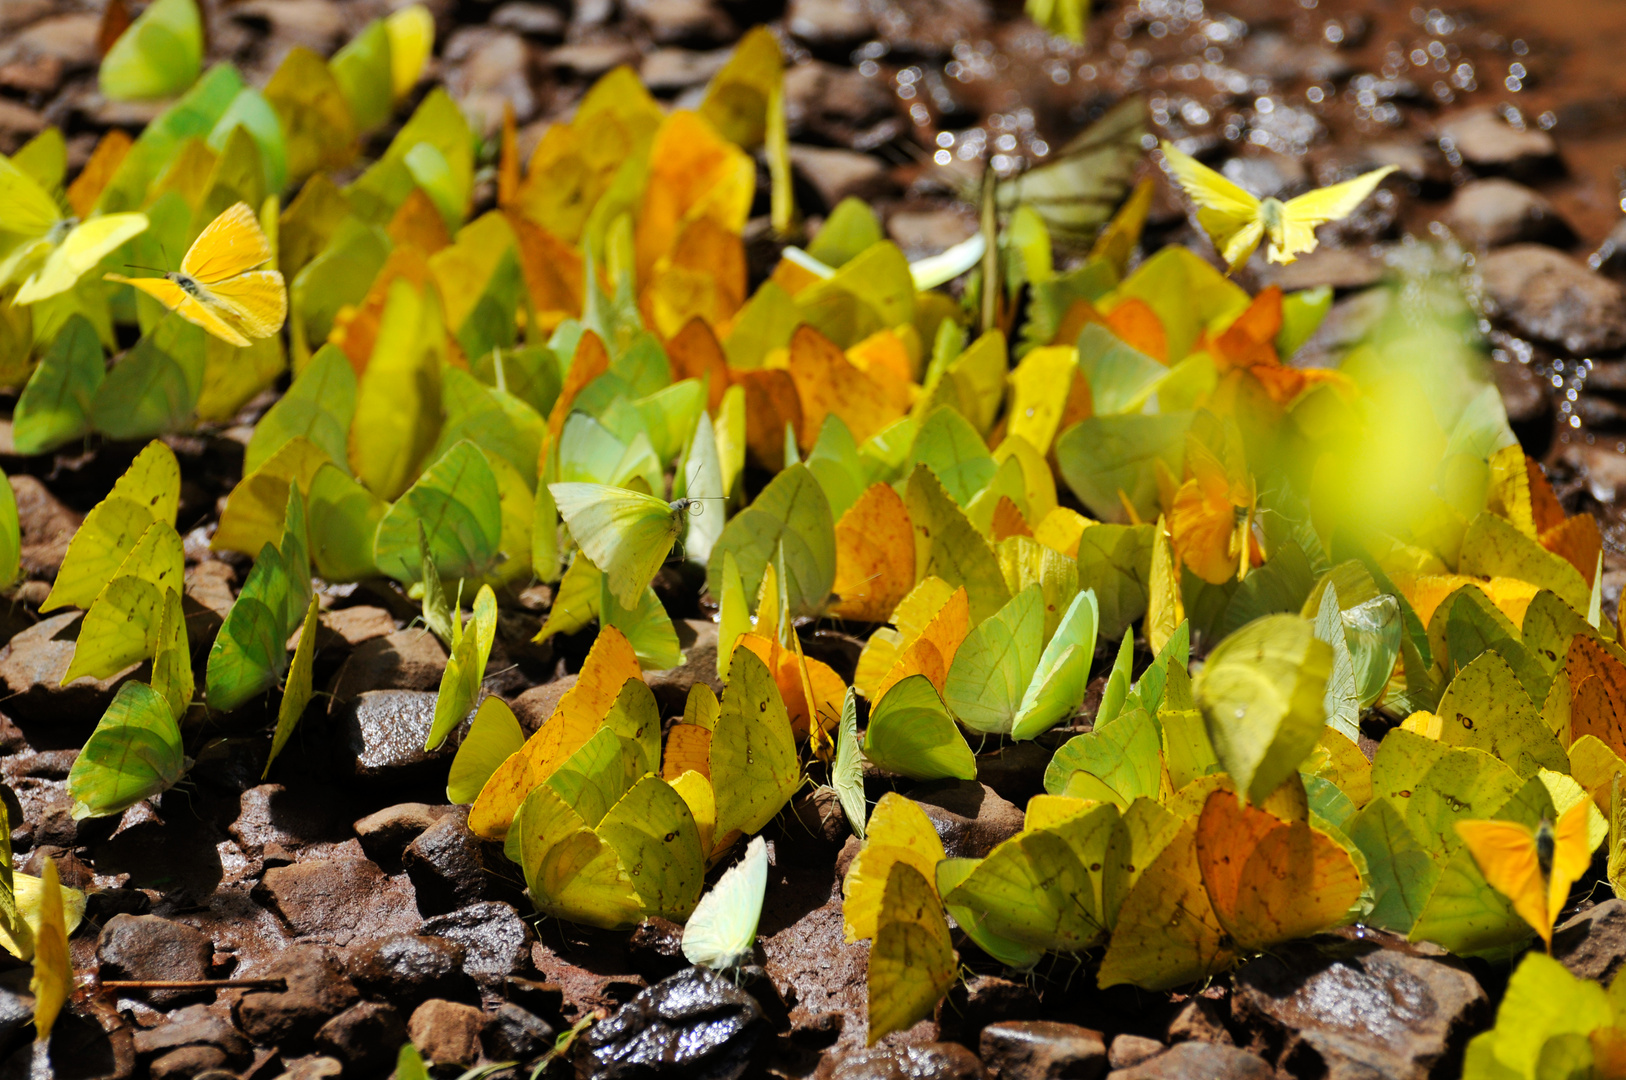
(722, 932)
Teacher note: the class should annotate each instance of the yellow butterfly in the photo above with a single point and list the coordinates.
(217, 286)
(1533, 868)
(1237, 221)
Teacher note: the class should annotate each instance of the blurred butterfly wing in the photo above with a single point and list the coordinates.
(723, 928)
(847, 775)
(1572, 854)
(626, 534)
(1076, 190)
(1506, 854)
(88, 244)
(30, 210)
(257, 300)
(1301, 216)
(231, 244)
(1226, 212)
(185, 305)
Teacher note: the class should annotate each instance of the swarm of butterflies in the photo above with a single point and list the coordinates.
(577, 386)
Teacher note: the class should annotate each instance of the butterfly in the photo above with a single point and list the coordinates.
(55, 251)
(1237, 221)
(625, 533)
(1533, 868)
(217, 286)
(722, 932)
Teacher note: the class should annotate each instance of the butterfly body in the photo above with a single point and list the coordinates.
(218, 287)
(1533, 868)
(625, 533)
(54, 251)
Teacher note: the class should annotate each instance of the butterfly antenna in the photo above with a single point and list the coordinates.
(138, 266)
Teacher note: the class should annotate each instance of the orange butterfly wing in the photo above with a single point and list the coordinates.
(1506, 854)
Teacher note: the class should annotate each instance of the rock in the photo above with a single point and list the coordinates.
(149, 947)
(829, 23)
(540, 998)
(46, 526)
(338, 899)
(1339, 268)
(674, 22)
(386, 834)
(315, 1067)
(666, 71)
(1199, 1020)
(513, 1034)
(446, 1032)
(269, 815)
(534, 706)
(1128, 1050)
(922, 233)
(1548, 295)
(496, 940)
(1198, 1061)
(317, 991)
(938, 1060)
(367, 1037)
(31, 667)
(1488, 143)
(1603, 468)
(1267, 173)
(1014, 771)
(1495, 212)
(361, 623)
(486, 68)
(833, 104)
(1382, 1012)
(400, 660)
(68, 38)
(1593, 943)
(194, 1026)
(411, 968)
(450, 868)
(188, 1061)
(1524, 392)
(695, 1023)
(590, 60)
(532, 20)
(1282, 58)
(318, 25)
(209, 584)
(819, 811)
(1043, 1050)
(835, 174)
(698, 640)
(382, 733)
(16, 1012)
(983, 1000)
(970, 817)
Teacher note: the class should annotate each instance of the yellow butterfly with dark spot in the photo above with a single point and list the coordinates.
(218, 287)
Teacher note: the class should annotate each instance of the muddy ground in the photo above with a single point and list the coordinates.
(349, 878)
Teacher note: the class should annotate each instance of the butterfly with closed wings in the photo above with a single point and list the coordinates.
(50, 251)
(1237, 220)
(722, 932)
(625, 533)
(218, 287)
(1533, 868)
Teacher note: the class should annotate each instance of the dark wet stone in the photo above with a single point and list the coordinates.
(819, 812)
(497, 942)
(1015, 772)
(16, 1012)
(382, 733)
(386, 834)
(367, 1037)
(1489, 144)
(31, 667)
(971, 818)
(1593, 943)
(148, 947)
(1381, 1011)
(317, 991)
(1546, 294)
(412, 968)
(446, 1032)
(930, 1061)
(514, 1034)
(1128, 1050)
(402, 660)
(695, 1024)
(532, 995)
(1494, 212)
(1198, 1061)
(981, 1000)
(194, 1025)
(337, 900)
(450, 867)
(655, 949)
(1043, 1050)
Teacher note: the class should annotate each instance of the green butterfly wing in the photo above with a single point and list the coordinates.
(950, 873)
(493, 736)
(722, 931)
(572, 873)
(912, 734)
(993, 666)
(655, 836)
(296, 693)
(134, 753)
(625, 533)
(158, 56)
(1063, 673)
(847, 774)
(754, 768)
(465, 669)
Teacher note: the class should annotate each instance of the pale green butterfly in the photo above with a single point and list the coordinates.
(134, 753)
(912, 734)
(625, 533)
(847, 774)
(55, 250)
(722, 932)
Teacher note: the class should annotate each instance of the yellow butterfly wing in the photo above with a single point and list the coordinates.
(185, 305)
(1506, 854)
(85, 246)
(1302, 215)
(257, 300)
(1572, 855)
(233, 243)
(1229, 214)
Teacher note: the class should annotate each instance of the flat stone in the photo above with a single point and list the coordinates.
(1495, 212)
(666, 71)
(514, 1034)
(1488, 143)
(31, 667)
(1198, 1061)
(386, 833)
(496, 940)
(1593, 944)
(318, 25)
(382, 733)
(358, 624)
(194, 1025)
(149, 947)
(211, 585)
(1043, 1050)
(1525, 394)
(411, 968)
(696, 1023)
(589, 60)
(70, 38)
(1546, 294)
(1336, 267)
(938, 1060)
(1127, 1050)
(187, 1062)
(269, 814)
(835, 174)
(674, 22)
(367, 1037)
(45, 523)
(923, 233)
(317, 990)
(971, 818)
(451, 868)
(400, 660)
(337, 900)
(446, 1032)
(829, 23)
(532, 20)
(1383, 1012)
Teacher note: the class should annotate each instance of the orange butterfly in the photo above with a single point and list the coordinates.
(217, 286)
(1532, 868)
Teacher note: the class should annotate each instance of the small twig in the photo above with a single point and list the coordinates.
(195, 984)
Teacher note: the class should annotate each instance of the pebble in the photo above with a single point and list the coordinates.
(194, 1027)
(1495, 212)
(382, 733)
(590, 60)
(317, 990)
(981, 1001)
(31, 667)
(832, 104)
(938, 1060)
(696, 1023)
(386, 833)
(1043, 1050)
(446, 1032)
(496, 940)
(411, 968)
(360, 623)
(921, 233)
(1488, 143)
(1198, 1061)
(1127, 1050)
(513, 1034)
(1525, 394)
(829, 23)
(1546, 294)
(666, 71)
(674, 22)
(269, 816)
(532, 20)
(400, 660)
(45, 523)
(210, 583)
(487, 68)
(325, 898)
(1593, 944)
(835, 174)
(367, 1037)
(534, 706)
(450, 867)
(1340, 268)
(150, 947)
(314, 1067)
(971, 818)
(318, 25)
(698, 640)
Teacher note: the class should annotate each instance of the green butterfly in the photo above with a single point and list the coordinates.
(134, 753)
(251, 650)
(158, 56)
(625, 533)
(52, 250)
(722, 932)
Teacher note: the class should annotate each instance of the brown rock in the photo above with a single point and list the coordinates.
(338, 900)
(446, 1032)
(970, 817)
(1495, 212)
(358, 624)
(194, 1026)
(1546, 294)
(412, 968)
(666, 71)
(317, 991)
(1043, 1050)
(382, 737)
(401, 660)
(1488, 143)
(835, 174)
(211, 583)
(487, 67)
(1593, 943)
(829, 22)
(534, 706)
(938, 1060)
(386, 834)
(698, 640)
(1339, 268)
(149, 947)
(69, 38)
(1524, 393)
(1128, 1050)
(1198, 1061)
(46, 526)
(922, 233)
(589, 60)
(366, 1037)
(318, 25)
(1199, 1020)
